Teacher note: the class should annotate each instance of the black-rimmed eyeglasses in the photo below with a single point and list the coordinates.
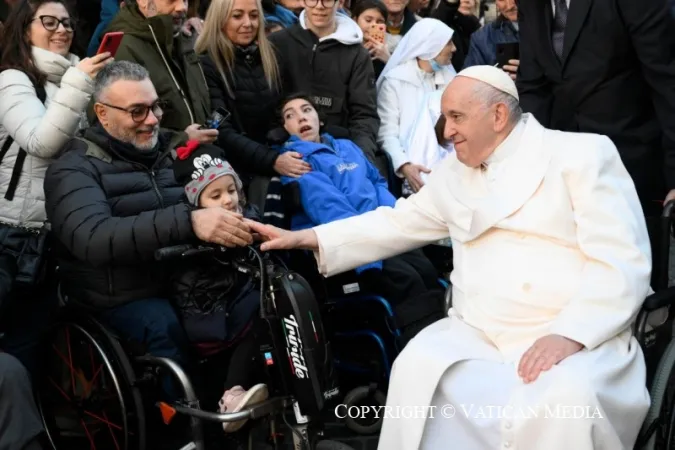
(325, 3)
(140, 112)
(51, 23)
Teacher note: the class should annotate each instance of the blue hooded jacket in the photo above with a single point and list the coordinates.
(342, 183)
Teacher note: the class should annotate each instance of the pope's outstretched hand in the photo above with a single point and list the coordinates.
(277, 239)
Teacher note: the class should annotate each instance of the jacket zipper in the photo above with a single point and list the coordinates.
(168, 68)
(311, 63)
(155, 187)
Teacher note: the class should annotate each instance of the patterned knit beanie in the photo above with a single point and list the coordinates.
(197, 165)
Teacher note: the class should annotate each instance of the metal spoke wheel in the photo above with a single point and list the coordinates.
(87, 396)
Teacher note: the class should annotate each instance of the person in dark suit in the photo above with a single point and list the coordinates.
(606, 67)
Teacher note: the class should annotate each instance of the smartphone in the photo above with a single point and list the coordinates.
(505, 52)
(217, 118)
(377, 32)
(110, 43)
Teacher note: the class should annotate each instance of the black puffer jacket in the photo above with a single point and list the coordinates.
(110, 208)
(214, 300)
(463, 25)
(337, 73)
(252, 109)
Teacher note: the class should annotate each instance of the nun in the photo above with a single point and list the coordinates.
(420, 65)
(552, 263)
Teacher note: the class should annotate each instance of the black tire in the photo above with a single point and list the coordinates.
(362, 396)
(117, 396)
(660, 420)
(332, 445)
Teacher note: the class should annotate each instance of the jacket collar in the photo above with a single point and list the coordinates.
(132, 22)
(52, 64)
(524, 160)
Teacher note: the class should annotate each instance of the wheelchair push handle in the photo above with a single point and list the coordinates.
(181, 251)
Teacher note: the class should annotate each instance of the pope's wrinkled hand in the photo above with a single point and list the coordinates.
(544, 354)
(277, 239)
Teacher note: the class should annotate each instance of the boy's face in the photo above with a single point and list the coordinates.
(301, 120)
(221, 192)
(321, 13)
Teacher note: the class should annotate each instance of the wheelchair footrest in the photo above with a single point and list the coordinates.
(268, 407)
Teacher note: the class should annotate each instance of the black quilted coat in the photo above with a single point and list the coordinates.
(252, 105)
(111, 207)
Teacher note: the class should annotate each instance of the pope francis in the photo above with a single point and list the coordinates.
(551, 265)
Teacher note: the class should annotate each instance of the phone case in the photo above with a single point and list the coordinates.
(377, 33)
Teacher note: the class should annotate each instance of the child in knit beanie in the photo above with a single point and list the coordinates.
(218, 304)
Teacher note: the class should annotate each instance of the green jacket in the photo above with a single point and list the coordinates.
(174, 67)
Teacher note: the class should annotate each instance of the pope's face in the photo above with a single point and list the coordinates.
(469, 125)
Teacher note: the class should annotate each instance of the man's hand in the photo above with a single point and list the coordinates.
(278, 239)
(220, 226)
(670, 196)
(193, 24)
(291, 164)
(544, 354)
(512, 68)
(411, 172)
(205, 136)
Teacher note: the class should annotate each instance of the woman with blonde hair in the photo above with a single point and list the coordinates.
(241, 70)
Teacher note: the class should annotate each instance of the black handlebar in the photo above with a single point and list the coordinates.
(181, 251)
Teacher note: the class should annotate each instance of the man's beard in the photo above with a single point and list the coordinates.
(131, 137)
(178, 23)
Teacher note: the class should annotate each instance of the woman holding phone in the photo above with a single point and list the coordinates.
(371, 16)
(44, 91)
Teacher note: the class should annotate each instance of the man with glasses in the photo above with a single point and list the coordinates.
(153, 39)
(322, 55)
(112, 201)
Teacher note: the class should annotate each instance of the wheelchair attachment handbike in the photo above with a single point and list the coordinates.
(92, 385)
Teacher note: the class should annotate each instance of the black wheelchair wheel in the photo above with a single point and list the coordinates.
(87, 395)
(658, 430)
(359, 397)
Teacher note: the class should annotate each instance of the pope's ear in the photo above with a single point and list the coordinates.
(502, 117)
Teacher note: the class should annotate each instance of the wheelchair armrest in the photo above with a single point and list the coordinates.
(659, 299)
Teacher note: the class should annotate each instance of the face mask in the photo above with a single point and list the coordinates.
(435, 66)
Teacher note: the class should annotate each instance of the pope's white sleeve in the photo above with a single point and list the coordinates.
(379, 234)
(612, 233)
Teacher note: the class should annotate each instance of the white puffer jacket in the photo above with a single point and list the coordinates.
(41, 130)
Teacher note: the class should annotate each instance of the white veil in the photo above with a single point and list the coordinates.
(424, 40)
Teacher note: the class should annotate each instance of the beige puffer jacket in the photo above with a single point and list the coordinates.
(41, 130)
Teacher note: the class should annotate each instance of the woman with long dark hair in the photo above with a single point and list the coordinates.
(44, 91)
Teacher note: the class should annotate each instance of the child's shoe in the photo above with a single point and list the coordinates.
(236, 399)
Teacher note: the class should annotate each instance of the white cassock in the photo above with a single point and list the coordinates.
(550, 239)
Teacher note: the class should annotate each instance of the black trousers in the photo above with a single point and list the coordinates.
(402, 277)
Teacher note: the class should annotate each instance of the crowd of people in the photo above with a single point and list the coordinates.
(106, 158)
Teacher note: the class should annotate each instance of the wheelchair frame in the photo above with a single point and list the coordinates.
(306, 432)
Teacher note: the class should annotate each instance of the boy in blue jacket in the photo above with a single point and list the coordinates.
(343, 183)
